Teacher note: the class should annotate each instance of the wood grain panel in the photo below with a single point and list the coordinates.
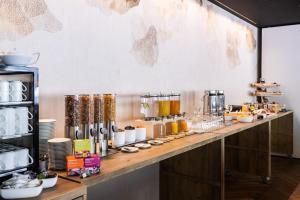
(249, 151)
(196, 174)
(282, 135)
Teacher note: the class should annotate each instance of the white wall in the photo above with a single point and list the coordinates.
(170, 45)
(281, 63)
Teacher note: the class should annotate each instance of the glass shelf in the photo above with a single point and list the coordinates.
(21, 103)
(14, 136)
(9, 172)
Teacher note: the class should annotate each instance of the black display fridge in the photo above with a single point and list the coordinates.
(19, 132)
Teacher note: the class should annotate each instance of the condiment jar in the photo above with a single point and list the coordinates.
(159, 129)
(182, 125)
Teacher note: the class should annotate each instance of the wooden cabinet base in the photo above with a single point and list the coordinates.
(282, 135)
(196, 174)
(249, 151)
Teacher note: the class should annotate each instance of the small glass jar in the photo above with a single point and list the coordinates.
(159, 130)
(182, 125)
(164, 105)
(175, 104)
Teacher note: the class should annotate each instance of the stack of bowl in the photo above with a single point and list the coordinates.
(59, 148)
(46, 132)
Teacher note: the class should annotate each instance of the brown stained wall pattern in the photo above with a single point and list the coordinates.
(119, 6)
(146, 49)
(251, 41)
(21, 17)
(200, 2)
(232, 49)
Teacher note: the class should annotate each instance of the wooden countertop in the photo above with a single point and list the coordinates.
(64, 189)
(122, 163)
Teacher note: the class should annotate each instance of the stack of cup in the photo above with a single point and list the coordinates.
(46, 132)
(16, 91)
(4, 91)
(22, 117)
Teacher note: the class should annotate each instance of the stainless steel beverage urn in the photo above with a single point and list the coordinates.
(210, 100)
(221, 102)
(214, 102)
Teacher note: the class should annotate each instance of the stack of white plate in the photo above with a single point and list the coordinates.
(59, 148)
(46, 132)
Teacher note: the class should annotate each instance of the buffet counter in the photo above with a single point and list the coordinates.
(123, 163)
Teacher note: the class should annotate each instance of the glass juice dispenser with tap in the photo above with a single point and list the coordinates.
(164, 105)
(149, 106)
(175, 104)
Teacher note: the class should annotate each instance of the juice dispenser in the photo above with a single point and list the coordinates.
(164, 105)
(175, 104)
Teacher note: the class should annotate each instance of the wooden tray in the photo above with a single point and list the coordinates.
(265, 85)
(267, 94)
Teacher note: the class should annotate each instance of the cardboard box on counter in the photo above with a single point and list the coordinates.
(83, 167)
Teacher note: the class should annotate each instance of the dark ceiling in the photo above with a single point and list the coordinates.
(264, 13)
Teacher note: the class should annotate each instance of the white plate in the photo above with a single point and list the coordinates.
(143, 146)
(47, 120)
(155, 142)
(59, 140)
(166, 139)
(129, 149)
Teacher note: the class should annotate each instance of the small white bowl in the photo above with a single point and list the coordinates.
(50, 182)
(228, 118)
(119, 138)
(19, 59)
(130, 136)
(140, 134)
(248, 119)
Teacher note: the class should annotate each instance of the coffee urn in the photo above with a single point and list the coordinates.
(221, 102)
(210, 102)
(214, 102)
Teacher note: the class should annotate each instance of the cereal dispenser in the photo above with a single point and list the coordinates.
(98, 116)
(71, 116)
(107, 133)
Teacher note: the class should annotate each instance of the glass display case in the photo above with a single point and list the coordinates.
(19, 119)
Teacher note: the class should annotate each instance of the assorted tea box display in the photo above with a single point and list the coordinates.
(83, 163)
(83, 167)
(82, 148)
